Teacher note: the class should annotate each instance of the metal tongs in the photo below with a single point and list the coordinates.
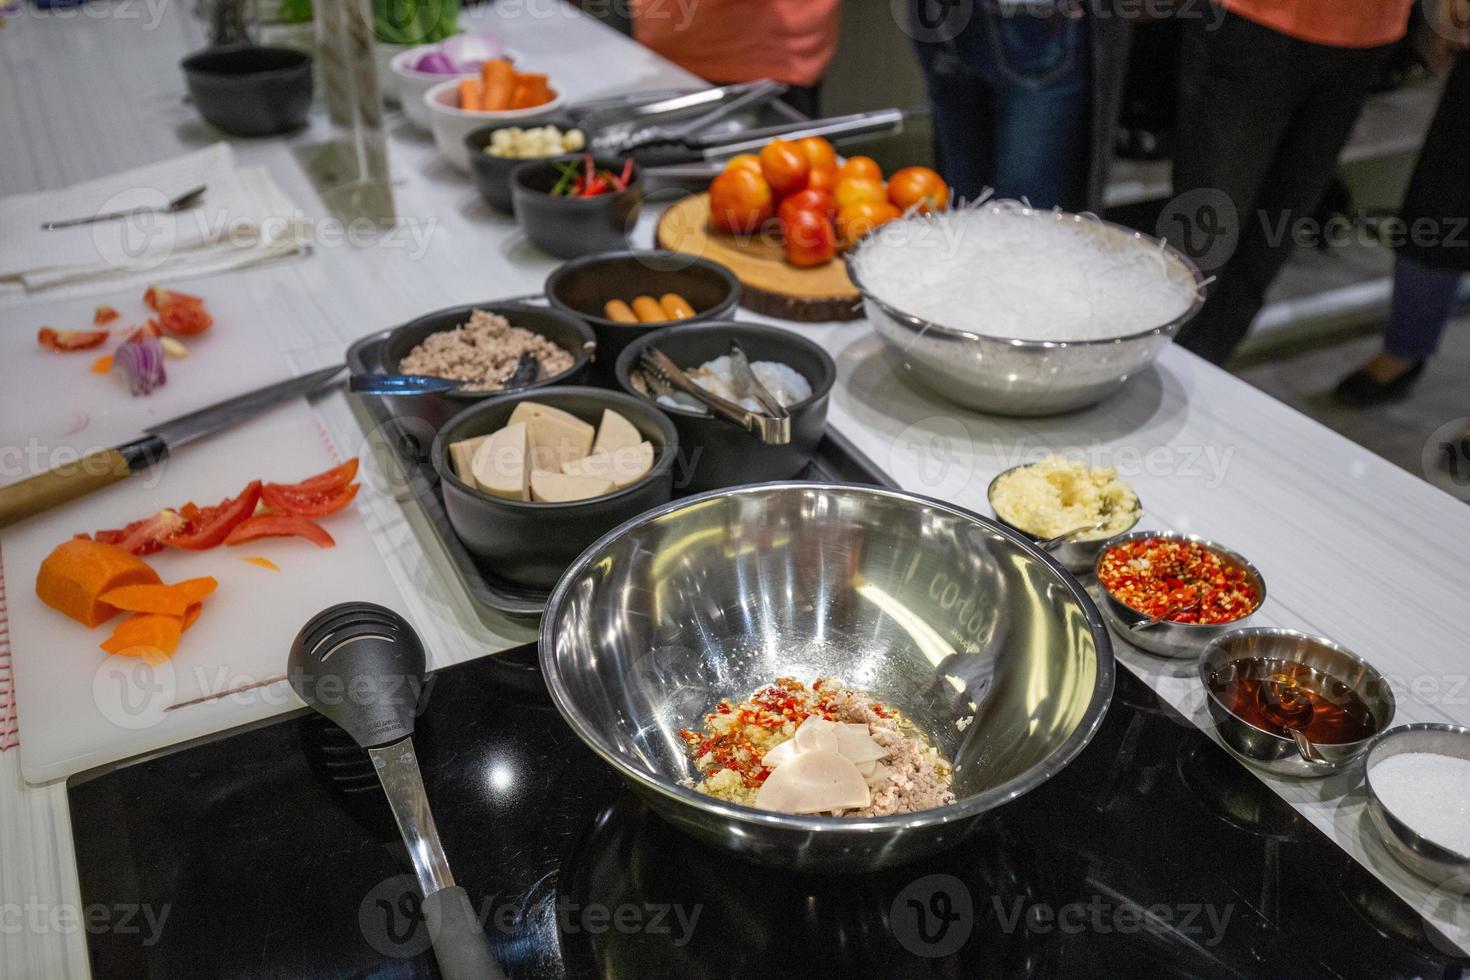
(676, 136)
(664, 377)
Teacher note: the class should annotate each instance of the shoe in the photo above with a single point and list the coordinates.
(1359, 390)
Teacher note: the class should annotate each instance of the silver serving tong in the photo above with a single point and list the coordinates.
(612, 120)
(183, 202)
(617, 141)
(747, 385)
(664, 377)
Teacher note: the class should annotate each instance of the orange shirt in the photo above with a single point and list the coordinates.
(1340, 23)
(790, 41)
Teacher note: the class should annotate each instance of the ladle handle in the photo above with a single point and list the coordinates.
(460, 945)
(1307, 750)
(459, 942)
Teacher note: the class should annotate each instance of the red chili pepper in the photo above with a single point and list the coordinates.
(598, 186)
(627, 174)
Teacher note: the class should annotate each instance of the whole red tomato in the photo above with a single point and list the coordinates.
(810, 238)
(740, 201)
(747, 160)
(808, 200)
(785, 166)
(919, 186)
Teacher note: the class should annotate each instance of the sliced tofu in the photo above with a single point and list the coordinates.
(501, 464)
(555, 437)
(558, 488)
(462, 455)
(624, 467)
(614, 433)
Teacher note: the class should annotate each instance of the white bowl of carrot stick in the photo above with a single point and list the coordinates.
(459, 106)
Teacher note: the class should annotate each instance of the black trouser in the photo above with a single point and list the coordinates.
(1262, 120)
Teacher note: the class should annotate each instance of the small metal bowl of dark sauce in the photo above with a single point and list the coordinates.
(1265, 686)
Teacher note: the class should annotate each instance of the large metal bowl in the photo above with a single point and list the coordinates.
(1007, 376)
(995, 652)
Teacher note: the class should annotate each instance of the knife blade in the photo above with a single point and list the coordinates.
(96, 470)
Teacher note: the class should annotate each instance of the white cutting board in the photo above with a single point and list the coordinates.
(51, 405)
(79, 707)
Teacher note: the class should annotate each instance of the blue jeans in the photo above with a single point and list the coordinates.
(1011, 97)
(1423, 299)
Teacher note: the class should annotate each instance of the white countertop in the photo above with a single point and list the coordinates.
(1351, 546)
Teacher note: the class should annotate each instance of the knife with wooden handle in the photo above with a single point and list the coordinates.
(94, 471)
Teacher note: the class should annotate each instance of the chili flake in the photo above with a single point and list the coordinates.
(1155, 575)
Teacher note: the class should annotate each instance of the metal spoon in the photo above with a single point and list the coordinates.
(1152, 621)
(527, 369)
(1288, 705)
(183, 202)
(362, 666)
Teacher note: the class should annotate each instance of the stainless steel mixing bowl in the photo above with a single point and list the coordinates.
(1007, 376)
(982, 640)
(1446, 868)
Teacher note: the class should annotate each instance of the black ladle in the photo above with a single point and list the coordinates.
(362, 666)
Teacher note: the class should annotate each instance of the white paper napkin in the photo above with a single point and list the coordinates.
(243, 218)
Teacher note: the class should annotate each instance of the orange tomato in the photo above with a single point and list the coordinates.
(918, 186)
(749, 161)
(740, 201)
(786, 167)
(808, 200)
(810, 238)
(852, 189)
(822, 179)
(860, 217)
(819, 153)
(865, 167)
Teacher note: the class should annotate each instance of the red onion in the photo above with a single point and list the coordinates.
(142, 364)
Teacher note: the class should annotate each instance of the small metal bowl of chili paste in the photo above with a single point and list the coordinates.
(1171, 594)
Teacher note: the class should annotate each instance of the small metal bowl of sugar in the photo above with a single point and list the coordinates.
(1418, 779)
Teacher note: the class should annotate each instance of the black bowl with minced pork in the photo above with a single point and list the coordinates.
(564, 330)
(530, 543)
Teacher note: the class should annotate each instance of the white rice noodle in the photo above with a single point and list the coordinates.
(1002, 269)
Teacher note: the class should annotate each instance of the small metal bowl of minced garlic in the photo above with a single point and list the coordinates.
(531, 479)
(1071, 508)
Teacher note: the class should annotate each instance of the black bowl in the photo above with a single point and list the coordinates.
(492, 174)
(559, 328)
(582, 286)
(531, 543)
(716, 453)
(250, 91)
(567, 227)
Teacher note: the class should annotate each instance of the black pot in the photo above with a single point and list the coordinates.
(570, 226)
(582, 286)
(560, 328)
(716, 453)
(250, 91)
(492, 174)
(531, 543)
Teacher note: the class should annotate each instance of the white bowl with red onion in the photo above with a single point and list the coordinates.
(420, 68)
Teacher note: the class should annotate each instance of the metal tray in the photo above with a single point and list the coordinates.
(837, 460)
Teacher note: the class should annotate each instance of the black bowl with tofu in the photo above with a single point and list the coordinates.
(530, 542)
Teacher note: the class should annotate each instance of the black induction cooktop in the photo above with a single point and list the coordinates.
(271, 853)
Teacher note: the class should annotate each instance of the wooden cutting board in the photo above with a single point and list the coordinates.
(769, 284)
